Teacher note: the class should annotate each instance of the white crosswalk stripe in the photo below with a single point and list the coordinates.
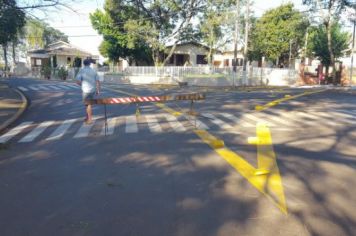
(295, 119)
(33, 88)
(36, 132)
(131, 124)
(111, 122)
(15, 131)
(174, 123)
(217, 121)
(196, 123)
(54, 87)
(61, 130)
(311, 116)
(84, 130)
(73, 86)
(237, 121)
(22, 88)
(153, 124)
(63, 87)
(280, 120)
(257, 119)
(335, 118)
(43, 87)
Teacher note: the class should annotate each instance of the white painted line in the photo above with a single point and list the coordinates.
(64, 87)
(318, 118)
(279, 120)
(347, 112)
(36, 132)
(72, 86)
(111, 126)
(153, 124)
(196, 123)
(237, 121)
(54, 87)
(84, 130)
(13, 132)
(257, 120)
(22, 88)
(131, 124)
(61, 130)
(43, 87)
(174, 123)
(335, 118)
(33, 88)
(217, 121)
(296, 119)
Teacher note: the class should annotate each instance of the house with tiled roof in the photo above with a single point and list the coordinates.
(58, 54)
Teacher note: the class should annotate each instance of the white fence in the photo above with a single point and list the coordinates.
(203, 76)
(211, 75)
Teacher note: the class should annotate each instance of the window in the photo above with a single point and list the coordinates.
(201, 60)
(226, 62)
(38, 62)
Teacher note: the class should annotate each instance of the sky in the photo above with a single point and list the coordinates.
(78, 27)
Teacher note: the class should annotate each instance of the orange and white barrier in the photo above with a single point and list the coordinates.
(127, 100)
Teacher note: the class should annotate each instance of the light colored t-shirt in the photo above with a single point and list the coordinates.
(88, 77)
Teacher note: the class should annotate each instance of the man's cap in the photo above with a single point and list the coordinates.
(87, 62)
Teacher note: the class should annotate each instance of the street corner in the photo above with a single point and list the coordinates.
(12, 105)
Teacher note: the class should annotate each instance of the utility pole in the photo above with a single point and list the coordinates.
(290, 53)
(247, 29)
(352, 52)
(236, 36)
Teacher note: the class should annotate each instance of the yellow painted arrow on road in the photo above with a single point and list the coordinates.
(266, 177)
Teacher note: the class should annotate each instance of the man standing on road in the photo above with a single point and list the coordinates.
(88, 79)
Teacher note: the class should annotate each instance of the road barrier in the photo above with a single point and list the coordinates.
(143, 99)
(128, 100)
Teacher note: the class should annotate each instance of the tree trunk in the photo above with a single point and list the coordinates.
(332, 57)
(247, 15)
(237, 23)
(170, 53)
(14, 53)
(4, 47)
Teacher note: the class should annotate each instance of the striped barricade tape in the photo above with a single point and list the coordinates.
(128, 100)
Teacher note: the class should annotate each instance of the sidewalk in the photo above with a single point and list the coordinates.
(12, 104)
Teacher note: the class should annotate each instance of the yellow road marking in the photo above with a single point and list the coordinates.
(266, 178)
(286, 98)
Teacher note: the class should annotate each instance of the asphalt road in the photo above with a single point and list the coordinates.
(154, 175)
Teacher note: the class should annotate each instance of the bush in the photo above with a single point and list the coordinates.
(46, 71)
(62, 73)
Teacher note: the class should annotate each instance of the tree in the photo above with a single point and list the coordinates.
(12, 20)
(148, 23)
(318, 45)
(215, 24)
(329, 12)
(39, 34)
(115, 44)
(278, 30)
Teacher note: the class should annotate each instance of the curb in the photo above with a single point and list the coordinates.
(18, 113)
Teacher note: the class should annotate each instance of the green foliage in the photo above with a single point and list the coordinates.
(77, 62)
(46, 71)
(62, 73)
(116, 41)
(214, 23)
(318, 45)
(274, 32)
(138, 30)
(39, 34)
(55, 64)
(12, 20)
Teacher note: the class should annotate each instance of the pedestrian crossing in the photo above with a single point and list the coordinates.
(49, 87)
(30, 131)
